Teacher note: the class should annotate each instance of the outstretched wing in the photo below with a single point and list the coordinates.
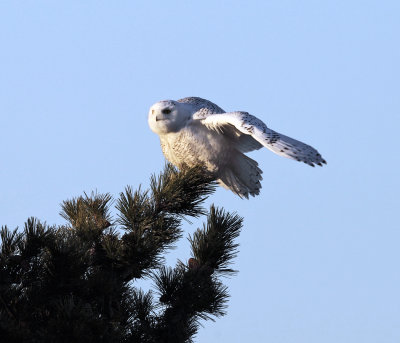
(204, 108)
(253, 129)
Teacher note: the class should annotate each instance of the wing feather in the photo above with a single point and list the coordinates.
(253, 127)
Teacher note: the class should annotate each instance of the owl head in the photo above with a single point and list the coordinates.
(168, 116)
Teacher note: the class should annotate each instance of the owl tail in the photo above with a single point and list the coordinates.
(242, 176)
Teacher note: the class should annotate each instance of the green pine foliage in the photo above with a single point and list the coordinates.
(76, 283)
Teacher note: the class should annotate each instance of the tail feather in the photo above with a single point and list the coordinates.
(242, 176)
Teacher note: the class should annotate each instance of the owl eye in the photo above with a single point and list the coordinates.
(166, 111)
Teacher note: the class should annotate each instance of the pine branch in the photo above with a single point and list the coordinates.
(190, 293)
(88, 212)
(148, 232)
(9, 241)
(135, 210)
(152, 218)
(214, 246)
(141, 326)
(182, 192)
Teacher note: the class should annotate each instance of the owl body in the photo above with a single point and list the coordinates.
(195, 145)
(195, 131)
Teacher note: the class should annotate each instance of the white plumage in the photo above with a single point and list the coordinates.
(195, 131)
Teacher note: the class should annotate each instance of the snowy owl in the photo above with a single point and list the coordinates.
(194, 131)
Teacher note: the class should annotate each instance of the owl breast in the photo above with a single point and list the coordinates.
(196, 145)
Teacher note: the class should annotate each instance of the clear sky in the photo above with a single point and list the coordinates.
(319, 256)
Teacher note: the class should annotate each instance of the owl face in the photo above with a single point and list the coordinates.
(167, 116)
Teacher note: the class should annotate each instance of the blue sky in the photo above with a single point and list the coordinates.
(319, 250)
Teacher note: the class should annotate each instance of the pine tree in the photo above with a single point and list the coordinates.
(77, 282)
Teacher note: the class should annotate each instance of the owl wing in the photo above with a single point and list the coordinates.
(251, 133)
(201, 107)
